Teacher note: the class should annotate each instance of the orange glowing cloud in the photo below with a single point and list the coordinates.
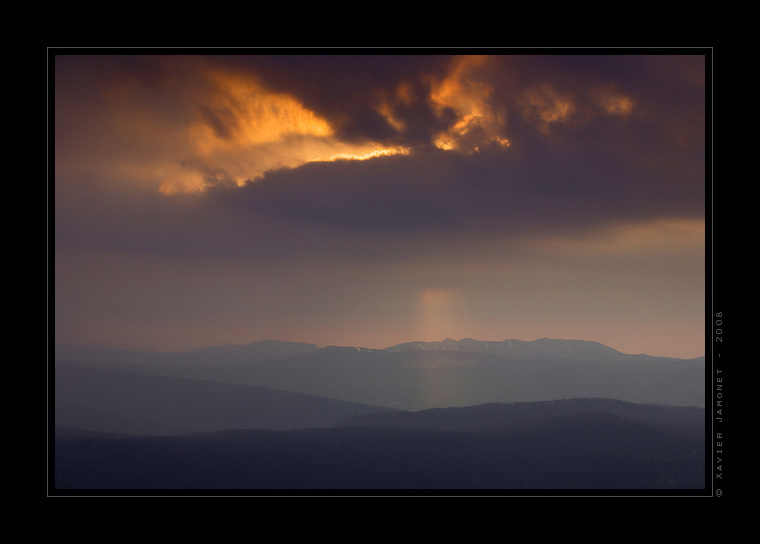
(613, 102)
(389, 104)
(245, 130)
(241, 113)
(544, 105)
(619, 105)
(479, 121)
(372, 151)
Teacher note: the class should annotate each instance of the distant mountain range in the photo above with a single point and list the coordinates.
(543, 348)
(421, 375)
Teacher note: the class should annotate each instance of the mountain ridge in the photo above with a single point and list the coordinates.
(416, 376)
(541, 348)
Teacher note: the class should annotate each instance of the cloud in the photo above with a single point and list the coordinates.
(251, 114)
(371, 199)
(268, 148)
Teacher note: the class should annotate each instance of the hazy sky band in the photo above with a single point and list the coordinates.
(370, 200)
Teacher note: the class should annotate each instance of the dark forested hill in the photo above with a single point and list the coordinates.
(576, 452)
(505, 416)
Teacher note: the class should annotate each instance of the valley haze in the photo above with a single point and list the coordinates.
(409, 376)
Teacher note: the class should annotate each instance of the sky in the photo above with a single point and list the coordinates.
(366, 199)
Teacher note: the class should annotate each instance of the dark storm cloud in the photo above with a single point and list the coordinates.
(345, 89)
(492, 191)
(329, 208)
(586, 170)
(593, 168)
(389, 194)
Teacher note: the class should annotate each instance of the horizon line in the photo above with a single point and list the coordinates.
(328, 345)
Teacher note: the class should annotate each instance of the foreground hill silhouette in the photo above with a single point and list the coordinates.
(586, 449)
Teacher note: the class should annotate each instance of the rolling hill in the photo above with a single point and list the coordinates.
(562, 445)
(506, 416)
(113, 401)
